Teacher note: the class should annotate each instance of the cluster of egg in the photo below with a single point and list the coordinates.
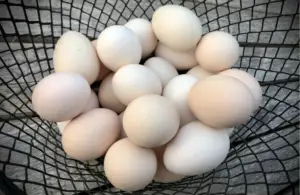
(153, 123)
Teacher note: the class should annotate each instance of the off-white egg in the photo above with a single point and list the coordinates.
(134, 80)
(199, 73)
(221, 101)
(89, 136)
(107, 97)
(217, 51)
(129, 167)
(164, 70)
(196, 149)
(181, 60)
(122, 134)
(103, 70)
(74, 53)
(143, 29)
(162, 174)
(249, 81)
(60, 96)
(177, 91)
(118, 46)
(91, 104)
(150, 121)
(177, 27)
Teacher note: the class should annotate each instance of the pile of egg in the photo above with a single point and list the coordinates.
(149, 122)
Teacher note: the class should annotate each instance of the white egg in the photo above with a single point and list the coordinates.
(103, 70)
(143, 29)
(196, 149)
(133, 81)
(181, 60)
(177, 27)
(177, 91)
(217, 51)
(74, 53)
(164, 70)
(118, 46)
(199, 73)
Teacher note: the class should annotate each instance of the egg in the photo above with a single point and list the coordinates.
(143, 29)
(163, 69)
(74, 53)
(217, 51)
(118, 46)
(162, 174)
(177, 91)
(182, 33)
(196, 149)
(89, 136)
(133, 81)
(180, 60)
(91, 104)
(103, 70)
(221, 101)
(199, 73)
(150, 121)
(60, 96)
(122, 134)
(129, 167)
(107, 97)
(249, 81)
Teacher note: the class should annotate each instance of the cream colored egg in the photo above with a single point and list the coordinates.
(163, 69)
(177, 27)
(199, 73)
(249, 81)
(107, 97)
(118, 46)
(177, 91)
(133, 81)
(103, 70)
(221, 101)
(217, 51)
(196, 149)
(60, 96)
(89, 136)
(143, 29)
(129, 167)
(162, 174)
(122, 134)
(180, 60)
(74, 53)
(150, 121)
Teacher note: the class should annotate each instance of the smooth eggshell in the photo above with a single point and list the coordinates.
(217, 51)
(177, 91)
(182, 33)
(143, 29)
(162, 174)
(74, 53)
(134, 80)
(199, 73)
(89, 136)
(107, 97)
(129, 167)
(150, 121)
(118, 46)
(60, 96)
(163, 69)
(196, 149)
(103, 70)
(221, 101)
(180, 60)
(249, 81)
(122, 134)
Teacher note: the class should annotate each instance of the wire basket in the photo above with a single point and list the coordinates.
(264, 154)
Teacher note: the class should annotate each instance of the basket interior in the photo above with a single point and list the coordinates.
(264, 154)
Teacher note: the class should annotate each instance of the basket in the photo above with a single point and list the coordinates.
(264, 153)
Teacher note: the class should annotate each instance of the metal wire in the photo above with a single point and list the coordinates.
(264, 154)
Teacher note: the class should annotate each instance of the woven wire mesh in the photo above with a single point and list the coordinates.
(264, 154)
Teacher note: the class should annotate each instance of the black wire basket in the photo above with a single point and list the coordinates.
(264, 154)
